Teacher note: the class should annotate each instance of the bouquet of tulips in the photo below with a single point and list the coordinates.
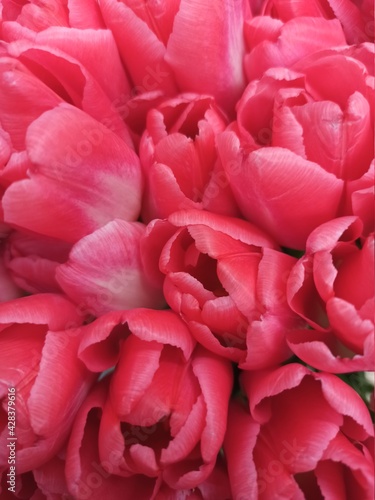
(186, 249)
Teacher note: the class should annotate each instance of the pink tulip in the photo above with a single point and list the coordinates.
(105, 273)
(356, 16)
(179, 157)
(227, 280)
(83, 175)
(163, 416)
(296, 136)
(272, 43)
(39, 365)
(65, 59)
(302, 435)
(332, 288)
(162, 44)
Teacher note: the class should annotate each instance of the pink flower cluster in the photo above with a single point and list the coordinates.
(186, 249)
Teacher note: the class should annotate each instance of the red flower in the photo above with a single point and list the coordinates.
(304, 435)
(332, 288)
(179, 158)
(163, 416)
(227, 280)
(296, 136)
(39, 363)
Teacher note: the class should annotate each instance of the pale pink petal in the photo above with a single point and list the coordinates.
(100, 345)
(325, 127)
(227, 345)
(325, 237)
(353, 23)
(9, 290)
(40, 16)
(50, 478)
(111, 277)
(35, 275)
(187, 437)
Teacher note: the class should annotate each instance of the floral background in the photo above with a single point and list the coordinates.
(186, 249)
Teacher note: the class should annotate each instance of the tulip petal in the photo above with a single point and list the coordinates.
(83, 175)
(134, 372)
(237, 229)
(322, 351)
(345, 470)
(239, 444)
(23, 98)
(214, 30)
(212, 371)
(188, 436)
(85, 14)
(277, 182)
(295, 40)
(112, 277)
(346, 401)
(140, 49)
(348, 325)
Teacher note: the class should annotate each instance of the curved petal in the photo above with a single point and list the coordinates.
(274, 183)
(214, 29)
(138, 363)
(347, 324)
(110, 278)
(285, 46)
(322, 351)
(240, 440)
(210, 371)
(83, 175)
(346, 401)
(237, 229)
(85, 14)
(345, 470)
(140, 49)
(23, 98)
